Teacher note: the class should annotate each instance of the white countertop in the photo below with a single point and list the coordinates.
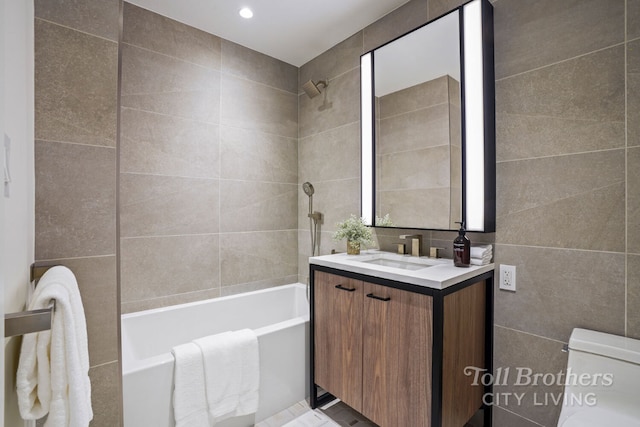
(438, 273)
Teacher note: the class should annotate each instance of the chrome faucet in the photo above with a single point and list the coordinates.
(416, 243)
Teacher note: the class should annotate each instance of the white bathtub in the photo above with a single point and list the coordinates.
(280, 318)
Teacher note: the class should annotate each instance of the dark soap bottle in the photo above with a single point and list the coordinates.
(461, 248)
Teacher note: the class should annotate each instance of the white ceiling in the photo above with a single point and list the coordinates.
(294, 31)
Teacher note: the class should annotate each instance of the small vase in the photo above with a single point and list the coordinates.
(353, 248)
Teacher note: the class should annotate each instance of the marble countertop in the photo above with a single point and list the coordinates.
(433, 273)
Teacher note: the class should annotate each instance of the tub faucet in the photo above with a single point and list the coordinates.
(416, 243)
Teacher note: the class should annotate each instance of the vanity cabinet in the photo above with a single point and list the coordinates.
(396, 352)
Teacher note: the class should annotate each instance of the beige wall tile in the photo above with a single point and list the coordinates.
(343, 57)
(258, 285)
(428, 94)
(332, 154)
(427, 207)
(534, 34)
(440, 7)
(242, 62)
(106, 395)
(633, 200)
(559, 90)
(539, 136)
(633, 296)
(429, 168)
(633, 93)
(428, 127)
(342, 106)
(254, 106)
(161, 34)
(75, 205)
(165, 145)
(405, 18)
(258, 156)
(147, 304)
(335, 200)
(515, 351)
(572, 201)
(75, 86)
(258, 256)
(98, 288)
(257, 206)
(152, 205)
(633, 19)
(158, 83)
(153, 267)
(504, 418)
(561, 289)
(97, 17)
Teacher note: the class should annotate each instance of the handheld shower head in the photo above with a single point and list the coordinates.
(308, 189)
(312, 89)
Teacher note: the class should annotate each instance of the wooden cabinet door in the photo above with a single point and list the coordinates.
(338, 336)
(396, 367)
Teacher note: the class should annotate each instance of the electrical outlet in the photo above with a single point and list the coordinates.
(508, 277)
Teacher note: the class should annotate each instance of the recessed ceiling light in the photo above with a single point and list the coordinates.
(246, 13)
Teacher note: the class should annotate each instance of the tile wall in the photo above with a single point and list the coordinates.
(76, 72)
(418, 155)
(208, 165)
(568, 191)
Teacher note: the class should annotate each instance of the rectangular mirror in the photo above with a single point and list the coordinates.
(428, 127)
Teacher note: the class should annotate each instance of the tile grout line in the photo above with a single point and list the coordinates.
(76, 30)
(552, 156)
(626, 174)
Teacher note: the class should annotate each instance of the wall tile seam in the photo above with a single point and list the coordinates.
(75, 258)
(259, 132)
(413, 111)
(159, 298)
(390, 153)
(148, 174)
(525, 332)
(54, 141)
(219, 234)
(552, 156)
(542, 67)
(515, 245)
(505, 409)
(293, 184)
(173, 116)
(166, 55)
(246, 79)
(547, 116)
(99, 365)
(115, 42)
(302, 138)
(332, 181)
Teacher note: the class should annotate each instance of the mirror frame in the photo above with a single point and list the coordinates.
(478, 120)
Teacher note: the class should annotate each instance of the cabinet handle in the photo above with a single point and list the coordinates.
(378, 298)
(342, 288)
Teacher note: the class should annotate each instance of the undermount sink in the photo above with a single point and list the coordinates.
(402, 262)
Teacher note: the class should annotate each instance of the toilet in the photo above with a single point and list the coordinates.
(602, 382)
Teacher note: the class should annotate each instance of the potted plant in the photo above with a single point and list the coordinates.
(355, 231)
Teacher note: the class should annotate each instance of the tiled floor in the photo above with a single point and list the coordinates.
(335, 414)
(332, 415)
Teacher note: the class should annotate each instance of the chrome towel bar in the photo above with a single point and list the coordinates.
(26, 322)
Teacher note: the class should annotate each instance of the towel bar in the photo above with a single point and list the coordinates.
(26, 322)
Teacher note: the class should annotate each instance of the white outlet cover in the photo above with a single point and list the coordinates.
(508, 277)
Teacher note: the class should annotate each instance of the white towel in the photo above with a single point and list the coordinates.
(232, 373)
(189, 397)
(481, 251)
(53, 370)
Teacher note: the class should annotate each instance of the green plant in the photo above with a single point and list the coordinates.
(385, 221)
(354, 230)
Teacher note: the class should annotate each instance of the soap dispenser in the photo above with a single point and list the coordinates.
(461, 248)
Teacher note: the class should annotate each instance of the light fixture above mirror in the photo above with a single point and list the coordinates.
(428, 124)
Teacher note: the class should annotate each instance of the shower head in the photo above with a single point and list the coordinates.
(308, 189)
(312, 89)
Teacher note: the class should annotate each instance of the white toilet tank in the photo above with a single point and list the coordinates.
(602, 383)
